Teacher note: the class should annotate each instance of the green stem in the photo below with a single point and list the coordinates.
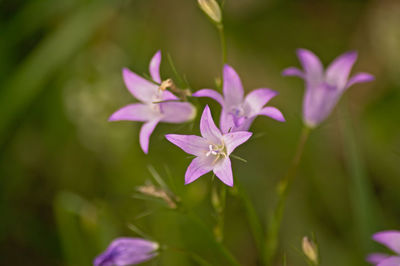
(218, 201)
(190, 254)
(274, 225)
(220, 28)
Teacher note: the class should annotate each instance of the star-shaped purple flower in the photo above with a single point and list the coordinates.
(127, 251)
(239, 112)
(391, 239)
(324, 88)
(212, 149)
(154, 106)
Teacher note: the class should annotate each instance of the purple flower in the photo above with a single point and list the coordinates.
(212, 149)
(153, 108)
(127, 251)
(239, 112)
(324, 88)
(391, 239)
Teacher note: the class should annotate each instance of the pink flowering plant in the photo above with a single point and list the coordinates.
(212, 151)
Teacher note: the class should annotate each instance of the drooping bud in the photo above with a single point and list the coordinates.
(310, 250)
(212, 9)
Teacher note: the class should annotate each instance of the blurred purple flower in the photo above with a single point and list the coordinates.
(390, 239)
(239, 112)
(324, 88)
(154, 106)
(127, 251)
(212, 149)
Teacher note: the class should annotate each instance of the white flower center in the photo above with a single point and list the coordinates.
(217, 151)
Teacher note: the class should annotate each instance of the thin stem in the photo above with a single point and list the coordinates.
(218, 200)
(283, 189)
(220, 27)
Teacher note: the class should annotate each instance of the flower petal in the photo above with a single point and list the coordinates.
(234, 139)
(376, 258)
(360, 78)
(272, 112)
(208, 128)
(127, 251)
(226, 121)
(293, 71)
(256, 99)
(168, 96)
(154, 67)
(177, 112)
(223, 170)
(391, 239)
(210, 94)
(139, 87)
(145, 133)
(313, 69)
(391, 261)
(232, 86)
(189, 143)
(338, 71)
(198, 167)
(134, 112)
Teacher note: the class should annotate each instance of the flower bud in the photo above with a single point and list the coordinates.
(310, 250)
(212, 9)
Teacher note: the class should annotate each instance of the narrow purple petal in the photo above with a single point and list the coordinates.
(256, 99)
(198, 167)
(232, 86)
(360, 78)
(167, 96)
(177, 112)
(338, 71)
(210, 94)
(134, 112)
(208, 128)
(139, 87)
(223, 170)
(313, 69)
(154, 67)
(392, 261)
(190, 143)
(234, 139)
(145, 133)
(272, 112)
(293, 71)
(391, 239)
(376, 258)
(127, 251)
(226, 121)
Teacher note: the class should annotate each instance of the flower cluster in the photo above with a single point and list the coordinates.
(160, 101)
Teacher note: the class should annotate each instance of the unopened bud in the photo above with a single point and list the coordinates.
(310, 250)
(212, 9)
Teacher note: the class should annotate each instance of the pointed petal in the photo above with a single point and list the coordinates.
(234, 139)
(272, 112)
(154, 67)
(134, 112)
(338, 71)
(208, 128)
(226, 122)
(198, 167)
(223, 170)
(168, 96)
(190, 143)
(256, 99)
(139, 87)
(210, 94)
(232, 86)
(391, 239)
(376, 258)
(177, 112)
(293, 71)
(360, 78)
(313, 69)
(391, 261)
(145, 133)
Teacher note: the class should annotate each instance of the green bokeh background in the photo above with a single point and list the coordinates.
(67, 176)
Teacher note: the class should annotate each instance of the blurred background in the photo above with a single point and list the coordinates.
(68, 177)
